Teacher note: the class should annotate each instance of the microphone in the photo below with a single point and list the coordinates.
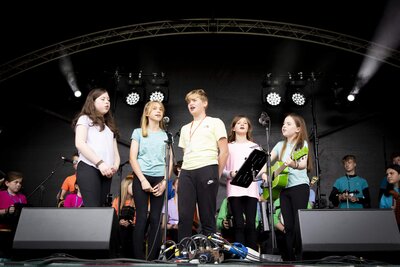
(67, 160)
(264, 119)
(166, 120)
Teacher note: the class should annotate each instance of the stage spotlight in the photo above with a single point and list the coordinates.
(136, 93)
(351, 97)
(158, 93)
(297, 92)
(135, 96)
(342, 98)
(78, 93)
(271, 92)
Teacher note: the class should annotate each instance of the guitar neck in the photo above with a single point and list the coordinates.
(279, 170)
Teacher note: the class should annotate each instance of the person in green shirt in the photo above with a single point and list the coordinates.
(224, 221)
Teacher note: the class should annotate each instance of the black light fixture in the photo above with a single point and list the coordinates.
(342, 99)
(272, 91)
(158, 89)
(136, 92)
(297, 93)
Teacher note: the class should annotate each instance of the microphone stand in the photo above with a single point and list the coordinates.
(168, 148)
(271, 203)
(41, 185)
(316, 158)
(121, 166)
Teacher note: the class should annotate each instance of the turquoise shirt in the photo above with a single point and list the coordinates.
(387, 201)
(352, 184)
(151, 154)
(295, 177)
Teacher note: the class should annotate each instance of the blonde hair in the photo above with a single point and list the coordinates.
(145, 119)
(125, 183)
(197, 92)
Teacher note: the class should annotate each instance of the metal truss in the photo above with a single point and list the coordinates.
(198, 26)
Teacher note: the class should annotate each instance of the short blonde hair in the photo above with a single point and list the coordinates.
(197, 92)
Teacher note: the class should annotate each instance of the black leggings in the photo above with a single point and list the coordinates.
(244, 226)
(141, 199)
(292, 199)
(93, 185)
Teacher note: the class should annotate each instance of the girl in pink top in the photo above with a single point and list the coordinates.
(243, 201)
(74, 200)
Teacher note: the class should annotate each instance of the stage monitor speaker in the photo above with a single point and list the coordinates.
(87, 232)
(368, 233)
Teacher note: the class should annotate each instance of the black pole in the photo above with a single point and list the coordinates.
(41, 185)
(316, 157)
(121, 166)
(116, 78)
(169, 148)
(271, 203)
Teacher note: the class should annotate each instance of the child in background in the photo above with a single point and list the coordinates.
(391, 197)
(11, 203)
(74, 200)
(125, 209)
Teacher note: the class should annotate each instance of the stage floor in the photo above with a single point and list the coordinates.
(61, 259)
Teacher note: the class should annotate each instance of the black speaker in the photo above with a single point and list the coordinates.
(369, 233)
(81, 232)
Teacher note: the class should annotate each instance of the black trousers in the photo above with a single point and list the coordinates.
(244, 226)
(93, 185)
(141, 199)
(198, 186)
(292, 199)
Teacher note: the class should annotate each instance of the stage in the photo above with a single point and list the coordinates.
(53, 236)
(269, 260)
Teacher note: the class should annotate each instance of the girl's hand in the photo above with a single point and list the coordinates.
(159, 189)
(146, 186)
(264, 176)
(290, 163)
(11, 209)
(106, 170)
(123, 222)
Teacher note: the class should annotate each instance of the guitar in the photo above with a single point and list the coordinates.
(280, 175)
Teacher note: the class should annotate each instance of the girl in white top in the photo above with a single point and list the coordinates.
(96, 141)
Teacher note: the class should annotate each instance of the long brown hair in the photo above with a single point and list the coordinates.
(302, 136)
(231, 134)
(98, 119)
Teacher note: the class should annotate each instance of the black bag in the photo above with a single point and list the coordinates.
(127, 213)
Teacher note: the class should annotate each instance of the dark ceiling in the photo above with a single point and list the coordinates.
(35, 25)
(39, 25)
